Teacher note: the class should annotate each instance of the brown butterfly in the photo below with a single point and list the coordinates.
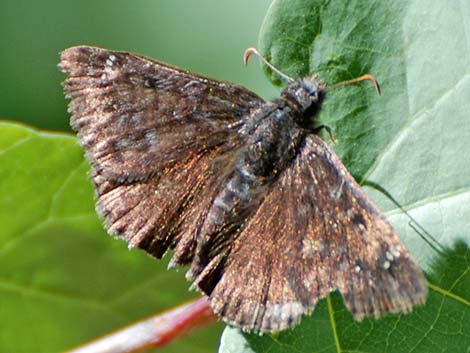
(244, 191)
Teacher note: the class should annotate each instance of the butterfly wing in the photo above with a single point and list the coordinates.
(135, 116)
(305, 241)
(155, 135)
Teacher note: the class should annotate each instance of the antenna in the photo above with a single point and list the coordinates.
(251, 51)
(366, 77)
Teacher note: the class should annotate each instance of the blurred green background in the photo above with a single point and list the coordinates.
(205, 36)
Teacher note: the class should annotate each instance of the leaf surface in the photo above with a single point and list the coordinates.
(63, 280)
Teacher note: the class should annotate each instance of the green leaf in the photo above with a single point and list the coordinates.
(63, 280)
(341, 40)
(413, 142)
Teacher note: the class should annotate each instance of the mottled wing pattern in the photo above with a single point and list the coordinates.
(167, 209)
(305, 241)
(134, 115)
(155, 135)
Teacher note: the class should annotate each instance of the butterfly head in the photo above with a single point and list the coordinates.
(307, 92)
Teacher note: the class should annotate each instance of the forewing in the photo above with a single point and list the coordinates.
(315, 232)
(160, 141)
(167, 209)
(135, 116)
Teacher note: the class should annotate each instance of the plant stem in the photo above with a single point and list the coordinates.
(154, 331)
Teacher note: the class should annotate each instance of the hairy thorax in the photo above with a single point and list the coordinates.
(273, 140)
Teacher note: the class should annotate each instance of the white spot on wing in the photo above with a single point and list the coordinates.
(396, 251)
(123, 143)
(386, 265)
(311, 247)
(151, 138)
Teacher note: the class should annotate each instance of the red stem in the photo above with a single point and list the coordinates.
(154, 331)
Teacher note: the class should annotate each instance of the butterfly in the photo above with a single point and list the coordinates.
(245, 192)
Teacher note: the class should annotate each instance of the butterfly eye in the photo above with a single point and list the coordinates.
(310, 87)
